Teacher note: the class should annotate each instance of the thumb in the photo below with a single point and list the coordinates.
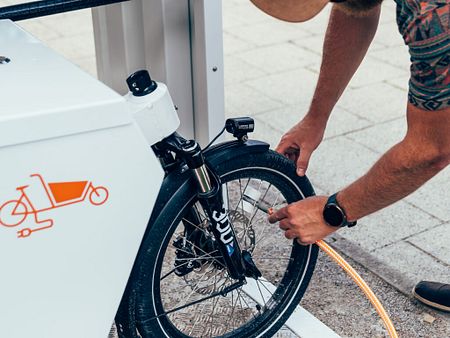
(303, 161)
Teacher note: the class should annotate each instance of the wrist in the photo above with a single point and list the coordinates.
(319, 112)
(341, 198)
(317, 117)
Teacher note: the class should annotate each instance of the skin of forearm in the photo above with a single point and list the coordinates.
(346, 42)
(404, 168)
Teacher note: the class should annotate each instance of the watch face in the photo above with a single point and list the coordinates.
(333, 215)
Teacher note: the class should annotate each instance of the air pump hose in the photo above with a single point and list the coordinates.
(362, 284)
(359, 281)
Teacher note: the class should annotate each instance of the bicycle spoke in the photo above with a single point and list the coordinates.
(188, 260)
(200, 308)
(193, 290)
(264, 281)
(260, 292)
(241, 199)
(260, 199)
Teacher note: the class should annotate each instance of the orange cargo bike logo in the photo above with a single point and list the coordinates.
(60, 194)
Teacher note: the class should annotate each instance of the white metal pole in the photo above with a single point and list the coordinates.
(180, 41)
(207, 66)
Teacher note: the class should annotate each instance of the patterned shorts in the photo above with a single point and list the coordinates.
(425, 27)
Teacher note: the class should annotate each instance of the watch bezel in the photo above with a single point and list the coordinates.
(340, 212)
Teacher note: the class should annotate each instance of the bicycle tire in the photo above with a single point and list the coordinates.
(277, 171)
(22, 216)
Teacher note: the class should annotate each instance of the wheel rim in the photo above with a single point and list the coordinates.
(247, 200)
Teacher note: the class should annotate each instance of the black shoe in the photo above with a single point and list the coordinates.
(434, 294)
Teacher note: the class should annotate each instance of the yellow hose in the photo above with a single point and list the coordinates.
(362, 284)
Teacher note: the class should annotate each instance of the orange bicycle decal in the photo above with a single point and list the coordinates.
(14, 212)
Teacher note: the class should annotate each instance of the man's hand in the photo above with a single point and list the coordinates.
(301, 140)
(303, 220)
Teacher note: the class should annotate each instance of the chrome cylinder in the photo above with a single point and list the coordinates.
(203, 179)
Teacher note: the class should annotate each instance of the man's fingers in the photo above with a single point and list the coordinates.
(292, 157)
(287, 148)
(281, 147)
(290, 234)
(277, 215)
(284, 224)
(303, 161)
(301, 243)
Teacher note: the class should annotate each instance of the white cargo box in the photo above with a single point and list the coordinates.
(78, 181)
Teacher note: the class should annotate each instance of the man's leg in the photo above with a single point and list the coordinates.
(436, 295)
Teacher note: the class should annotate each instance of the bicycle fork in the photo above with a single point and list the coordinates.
(211, 199)
(238, 262)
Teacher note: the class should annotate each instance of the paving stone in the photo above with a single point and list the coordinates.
(436, 241)
(388, 35)
(433, 196)
(7, 2)
(290, 87)
(278, 58)
(314, 67)
(397, 56)
(377, 102)
(414, 264)
(373, 71)
(388, 13)
(230, 20)
(381, 137)
(74, 47)
(272, 32)
(237, 70)
(400, 82)
(233, 44)
(70, 24)
(39, 30)
(388, 226)
(245, 13)
(242, 100)
(313, 44)
(338, 162)
(231, 4)
(341, 121)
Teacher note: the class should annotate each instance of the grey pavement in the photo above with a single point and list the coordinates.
(277, 77)
(270, 72)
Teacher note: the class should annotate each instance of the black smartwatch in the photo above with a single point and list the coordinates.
(334, 214)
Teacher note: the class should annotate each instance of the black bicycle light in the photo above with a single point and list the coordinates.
(240, 126)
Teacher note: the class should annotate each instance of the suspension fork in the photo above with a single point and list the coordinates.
(211, 199)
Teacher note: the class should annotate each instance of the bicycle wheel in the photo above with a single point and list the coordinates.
(98, 195)
(181, 271)
(13, 213)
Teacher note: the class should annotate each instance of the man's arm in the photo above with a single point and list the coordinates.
(424, 152)
(346, 43)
